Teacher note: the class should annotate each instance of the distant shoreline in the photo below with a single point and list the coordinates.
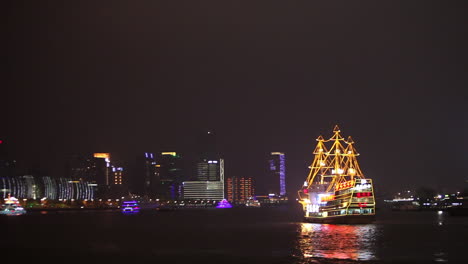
(71, 209)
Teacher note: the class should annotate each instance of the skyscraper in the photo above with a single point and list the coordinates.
(239, 189)
(149, 173)
(169, 169)
(209, 166)
(103, 168)
(277, 169)
(210, 181)
(117, 176)
(209, 172)
(94, 169)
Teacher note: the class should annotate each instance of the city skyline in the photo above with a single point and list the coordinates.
(153, 78)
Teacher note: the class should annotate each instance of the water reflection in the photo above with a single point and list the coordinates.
(355, 242)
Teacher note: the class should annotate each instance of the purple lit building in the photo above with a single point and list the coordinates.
(277, 173)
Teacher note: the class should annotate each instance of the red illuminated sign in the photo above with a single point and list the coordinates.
(363, 194)
(344, 185)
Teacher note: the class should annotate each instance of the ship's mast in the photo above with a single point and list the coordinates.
(319, 164)
(334, 165)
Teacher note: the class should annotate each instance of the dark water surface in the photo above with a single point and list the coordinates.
(260, 235)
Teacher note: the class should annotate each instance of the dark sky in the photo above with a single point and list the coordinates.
(132, 76)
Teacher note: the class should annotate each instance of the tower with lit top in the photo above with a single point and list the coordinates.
(277, 169)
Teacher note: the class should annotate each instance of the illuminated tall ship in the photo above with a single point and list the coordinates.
(336, 190)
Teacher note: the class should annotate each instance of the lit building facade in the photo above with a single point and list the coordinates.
(209, 170)
(75, 190)
(277, 172)
(239, 189)
(203, 190)
(30, 187)
(117, 176)
(210, 181)
(50, 188)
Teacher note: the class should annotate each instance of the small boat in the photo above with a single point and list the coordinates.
(12, 207)
(252, 203)
(130, 207)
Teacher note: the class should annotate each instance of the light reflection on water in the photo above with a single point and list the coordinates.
(354, 242)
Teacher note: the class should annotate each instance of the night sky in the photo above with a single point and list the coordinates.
(132, 76)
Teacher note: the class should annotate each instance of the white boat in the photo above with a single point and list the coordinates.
(12, 207)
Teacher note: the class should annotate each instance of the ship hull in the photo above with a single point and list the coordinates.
(345, 219)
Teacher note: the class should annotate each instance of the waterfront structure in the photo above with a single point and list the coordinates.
(269, 200)
(203, 190)
(336, 190)
(30, 187)
(69, 189)
(277, 172)
(23, 187)
(239, 189)
(223, 204)
(50, 188)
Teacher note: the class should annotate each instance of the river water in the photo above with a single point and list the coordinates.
(248, 235)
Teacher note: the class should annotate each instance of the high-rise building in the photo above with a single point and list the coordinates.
(239, 189)
(170, 175)
(209, 172)
(277, 174)
(103, 168)
(117, 176)
(149, 172)
(209, 183)
(94, 169)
